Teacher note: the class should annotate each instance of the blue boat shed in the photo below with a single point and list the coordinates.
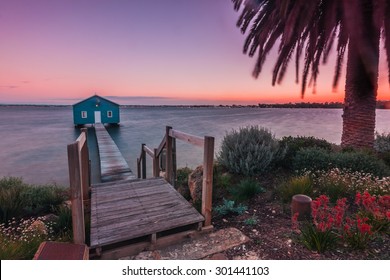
(95, 109)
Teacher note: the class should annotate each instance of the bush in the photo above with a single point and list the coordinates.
(41, 199)
(295, 185)
(19, 199)
(312, 159)
(320, 159)
(250, 151)
(182, 177)
(382, 146)
(228, 208)
(295, 144)
(337, 183)
(63, 226)
(245, 190)
(11, 203)
(382, 142)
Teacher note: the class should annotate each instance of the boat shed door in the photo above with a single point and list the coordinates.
(98, 117)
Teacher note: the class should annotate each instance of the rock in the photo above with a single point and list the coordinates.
(39, 227)
(195, 180)
(51, 218)
(184, 191)
(218, 256)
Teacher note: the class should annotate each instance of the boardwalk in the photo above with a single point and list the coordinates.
(128, 215)
(128, 209)
(112, 164)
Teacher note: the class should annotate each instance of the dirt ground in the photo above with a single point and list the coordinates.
(272, 238)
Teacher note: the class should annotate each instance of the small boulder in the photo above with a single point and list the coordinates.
(39, 227)
(195, 181)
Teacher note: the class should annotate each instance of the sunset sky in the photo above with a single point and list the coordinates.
(139, 52)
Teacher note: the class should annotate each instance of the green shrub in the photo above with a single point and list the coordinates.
(382, 146)
(63, 226)
(382, 142)
(250, 151)
(312, 159)
(320, 159)
(337, 183)
(245, 190)
(295, 185)
(294, 144)
(41, 199)
(228, 208)
(11, 203)
(182, 176)
(252, 221)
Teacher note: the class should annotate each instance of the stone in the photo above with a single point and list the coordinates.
(39, 227)
(195, 181)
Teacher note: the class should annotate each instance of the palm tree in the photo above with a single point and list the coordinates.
(312, 27)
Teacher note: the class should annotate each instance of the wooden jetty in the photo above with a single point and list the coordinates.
(131, 215)
(112, 164)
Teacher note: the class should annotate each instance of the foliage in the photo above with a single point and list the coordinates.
(337, 183)
(182, 176)
(40, 199)
(375, 209)
(228, 208)
(63, 225)
(245, 190)
(332, 223)
(252, 221)
(319, 159)
(11, 203)
(221, 178)
(21, 239)
(19, 199)
(382, 146)
(382, 142)
(250, 151)
(294, 144)
(295, 185)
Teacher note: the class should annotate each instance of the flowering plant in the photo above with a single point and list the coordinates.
(332, 224)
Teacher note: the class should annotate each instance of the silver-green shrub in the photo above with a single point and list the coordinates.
(250, 150)
(382, 142)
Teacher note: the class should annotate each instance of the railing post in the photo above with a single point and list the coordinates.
(138, 168)
(156, 168)
(143, 161)
(168, 158)
(207, 184)
(85, 177)
(76, 194)
(174, 163)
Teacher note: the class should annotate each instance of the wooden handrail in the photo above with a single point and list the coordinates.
(168, 143)
(186, 137)
(149, 151)
(161, 146)
(79, 178)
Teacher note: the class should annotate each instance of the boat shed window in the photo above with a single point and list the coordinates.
(109, 114)
(84, 114)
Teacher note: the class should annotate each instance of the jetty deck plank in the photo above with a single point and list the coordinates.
(128, 209)
(112, 164)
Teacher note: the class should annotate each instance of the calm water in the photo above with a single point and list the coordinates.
(33, 139)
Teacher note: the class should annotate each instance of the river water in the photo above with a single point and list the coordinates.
(33, 140)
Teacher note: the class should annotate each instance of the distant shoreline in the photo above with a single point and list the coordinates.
(301, 105)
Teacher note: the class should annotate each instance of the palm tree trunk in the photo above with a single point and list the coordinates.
(361, 84)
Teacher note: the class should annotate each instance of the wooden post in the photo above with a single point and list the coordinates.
(76, 194)
(85, 177)
(168, 157)
(174, 164)
(207, 184)
(138, 168)
(143, 162)
(156, 168)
